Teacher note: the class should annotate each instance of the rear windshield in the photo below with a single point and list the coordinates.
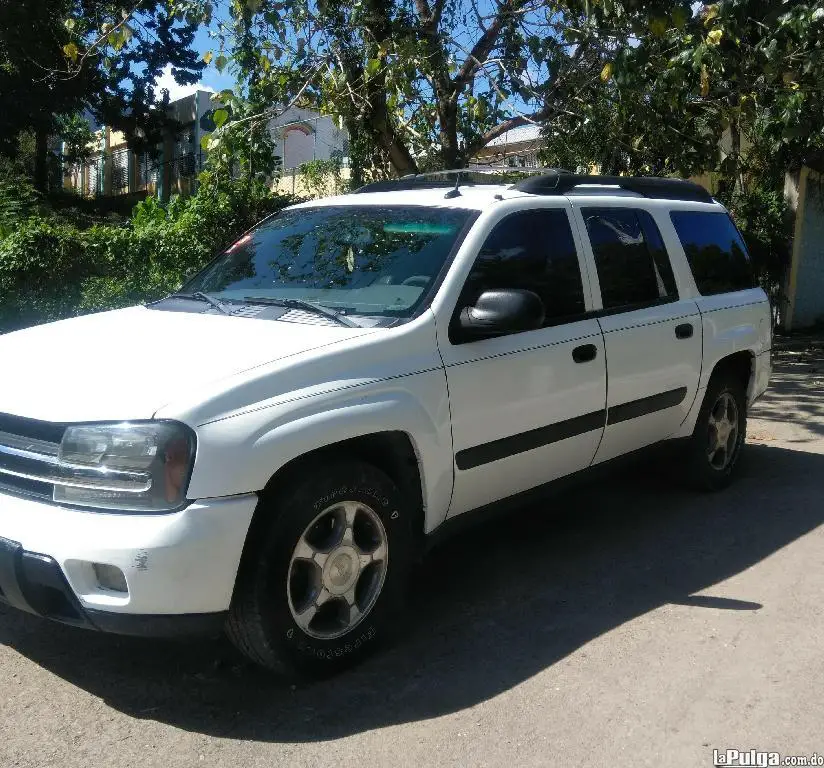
(359, 259)
(715, 250)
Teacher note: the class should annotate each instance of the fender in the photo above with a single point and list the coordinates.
(738, 325)
(732, 323)
(239, 454)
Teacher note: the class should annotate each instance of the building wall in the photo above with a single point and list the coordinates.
(515, 155)
(804, 303)
(302, 135)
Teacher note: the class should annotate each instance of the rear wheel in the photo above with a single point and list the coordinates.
(324, 583)
(719, 434)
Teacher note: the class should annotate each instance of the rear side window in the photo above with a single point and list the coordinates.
(533, 250)
(633, 265)
(715, 251)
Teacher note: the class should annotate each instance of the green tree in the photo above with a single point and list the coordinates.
(422, 83)
(733, 88)
(61, 57)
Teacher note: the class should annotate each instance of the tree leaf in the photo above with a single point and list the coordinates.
(714, 37)
(220, 116)
(204, 142)
(71, 51)
(710, 13)
(207, 57)
(220, 62)
(606, 72)
(658, 26)
(705, 81)
(679, 17)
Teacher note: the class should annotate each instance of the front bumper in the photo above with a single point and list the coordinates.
(179, 568)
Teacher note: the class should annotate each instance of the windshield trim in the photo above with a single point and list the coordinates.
(426, 297)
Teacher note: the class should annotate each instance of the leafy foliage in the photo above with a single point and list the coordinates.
(742, 75)
(323, 177)
(18, 198)
(77, 138)
(248, 153)
(61, 57)
(765, 220)
(49, 268)
(422, 83)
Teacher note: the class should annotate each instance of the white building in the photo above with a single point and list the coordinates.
(300, 135)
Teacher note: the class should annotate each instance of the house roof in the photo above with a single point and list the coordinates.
(519, 135)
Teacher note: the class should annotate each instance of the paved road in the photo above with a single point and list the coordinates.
(637, 625)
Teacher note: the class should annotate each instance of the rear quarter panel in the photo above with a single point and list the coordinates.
(736, 322)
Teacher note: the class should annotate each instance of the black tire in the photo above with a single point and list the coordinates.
(702, 473)
(261, 623)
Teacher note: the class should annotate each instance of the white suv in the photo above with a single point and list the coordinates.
(269, 450)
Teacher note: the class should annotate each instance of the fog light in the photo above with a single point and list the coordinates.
(110, 577)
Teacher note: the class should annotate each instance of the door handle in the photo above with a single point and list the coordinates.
(584, 353)
(683, 331)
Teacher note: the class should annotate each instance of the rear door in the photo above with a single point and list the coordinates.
(652, 336)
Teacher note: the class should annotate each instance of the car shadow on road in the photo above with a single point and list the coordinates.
(491, 609)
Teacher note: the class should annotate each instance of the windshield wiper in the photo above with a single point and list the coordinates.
(200, 296)
(319, 309)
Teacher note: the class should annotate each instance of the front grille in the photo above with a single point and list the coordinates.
(37, 430)
(19, 486)
(28, 453)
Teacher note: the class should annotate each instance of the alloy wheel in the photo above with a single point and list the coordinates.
(337, 570)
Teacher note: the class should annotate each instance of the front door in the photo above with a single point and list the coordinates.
(653, 338)
(527, 407)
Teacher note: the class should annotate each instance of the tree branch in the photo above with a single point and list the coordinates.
(70, 73)
(424, 11)
(483, 47)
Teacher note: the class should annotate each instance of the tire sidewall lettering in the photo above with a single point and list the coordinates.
(331, 651)
(330, 498)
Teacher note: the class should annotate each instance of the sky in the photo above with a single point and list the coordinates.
(212, 80)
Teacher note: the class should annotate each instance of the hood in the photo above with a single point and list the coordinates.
(128, 363)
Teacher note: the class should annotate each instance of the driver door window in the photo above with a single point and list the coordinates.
(532, 250)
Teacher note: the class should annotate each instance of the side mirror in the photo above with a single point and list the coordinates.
(502, 311)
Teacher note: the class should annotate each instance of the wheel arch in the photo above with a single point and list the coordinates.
(739, 364)
(393, 452)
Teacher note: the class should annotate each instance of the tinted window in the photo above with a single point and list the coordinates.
(633, 266)
(715, 251)
(533, 250)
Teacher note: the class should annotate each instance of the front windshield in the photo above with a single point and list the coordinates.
(357, 259)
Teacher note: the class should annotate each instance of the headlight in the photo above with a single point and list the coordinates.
(138, 466)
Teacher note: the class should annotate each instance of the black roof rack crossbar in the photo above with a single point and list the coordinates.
(464, 176)
(648, 186)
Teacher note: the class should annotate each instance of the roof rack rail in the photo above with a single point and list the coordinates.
(464, 176)
(562, 182)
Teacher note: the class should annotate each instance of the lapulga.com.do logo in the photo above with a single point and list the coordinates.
(733, 758)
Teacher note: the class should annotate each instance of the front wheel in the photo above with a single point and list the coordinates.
(719, 434)
(324, 582)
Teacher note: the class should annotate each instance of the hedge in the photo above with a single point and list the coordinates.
(51, 269)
